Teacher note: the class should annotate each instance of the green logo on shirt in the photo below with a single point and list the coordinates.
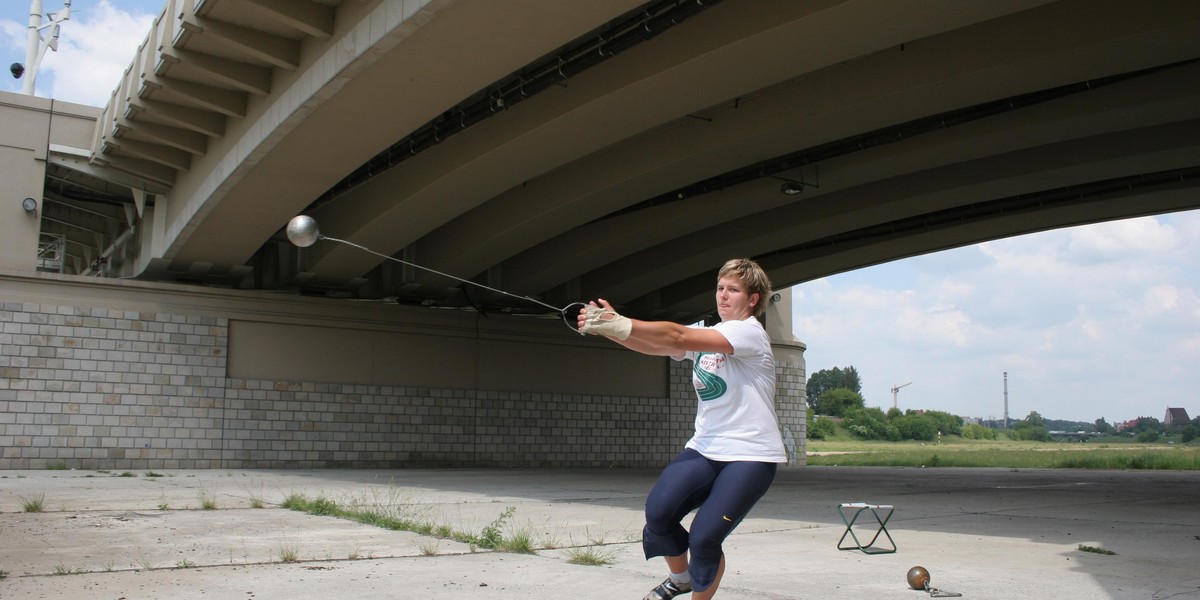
(709, 386)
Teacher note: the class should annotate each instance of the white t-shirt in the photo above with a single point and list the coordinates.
(736, 415)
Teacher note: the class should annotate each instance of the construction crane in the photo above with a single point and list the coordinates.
(896, 390)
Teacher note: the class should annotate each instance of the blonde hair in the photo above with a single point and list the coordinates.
(753, 277)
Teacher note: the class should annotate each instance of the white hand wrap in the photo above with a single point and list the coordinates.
(605, 321)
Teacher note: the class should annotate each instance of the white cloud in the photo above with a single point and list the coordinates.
(1161, 298)
(90, 63)
(1121, 241)
(14, 36)
(95, 47)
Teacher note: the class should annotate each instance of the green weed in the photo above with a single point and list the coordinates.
(493, 534)
(391, 516)
(519, 542)
(288, 553)
(33, 504)
(591, 556)
(208, 501)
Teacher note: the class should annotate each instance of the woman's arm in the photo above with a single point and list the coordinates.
(661, 338)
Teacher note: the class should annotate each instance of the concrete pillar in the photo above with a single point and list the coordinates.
(790, 396)
(23, 171)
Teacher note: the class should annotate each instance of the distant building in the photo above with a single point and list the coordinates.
(1176, 415)
(1131, 424)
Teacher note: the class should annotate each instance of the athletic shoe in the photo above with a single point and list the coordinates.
(668, 589)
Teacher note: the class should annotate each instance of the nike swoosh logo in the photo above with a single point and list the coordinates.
(726, 518)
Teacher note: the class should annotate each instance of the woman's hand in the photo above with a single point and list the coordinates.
(602, 319)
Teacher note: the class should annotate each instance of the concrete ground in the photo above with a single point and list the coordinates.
(984, 533)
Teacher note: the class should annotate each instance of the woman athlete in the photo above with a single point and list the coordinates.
(730, 461)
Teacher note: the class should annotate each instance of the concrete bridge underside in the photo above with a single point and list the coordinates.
(568, 150)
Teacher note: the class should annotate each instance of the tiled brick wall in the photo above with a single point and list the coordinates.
(100, 388)
(279, 424)
(107, 389)
(96, 388)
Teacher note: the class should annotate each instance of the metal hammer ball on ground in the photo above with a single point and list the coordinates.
(918, 578)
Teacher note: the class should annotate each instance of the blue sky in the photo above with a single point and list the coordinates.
(95, 47)
(1089, 322)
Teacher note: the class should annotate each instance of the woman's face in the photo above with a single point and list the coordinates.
(734, 303)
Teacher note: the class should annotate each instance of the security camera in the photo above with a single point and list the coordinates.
(17, 70)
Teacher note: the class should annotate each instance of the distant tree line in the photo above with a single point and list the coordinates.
(1099, 426)
(836, 395)
(1149, 429)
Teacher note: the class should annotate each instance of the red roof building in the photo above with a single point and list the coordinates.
(1177, 416)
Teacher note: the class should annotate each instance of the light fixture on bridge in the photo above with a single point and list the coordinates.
(791, 187)
(30, 205)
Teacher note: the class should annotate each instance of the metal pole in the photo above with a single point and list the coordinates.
(35, 46)
(31, 46)
(1006, 399)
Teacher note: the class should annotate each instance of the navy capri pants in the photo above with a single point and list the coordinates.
(724, 493)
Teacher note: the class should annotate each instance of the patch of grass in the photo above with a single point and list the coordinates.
(288, 553)
(56, 466)
(591, 556)
(64, 570)
(255, 494)
(956, 452)
(145, 559)
(493, 534)
(185, 564)
(208, 501)
(428, 549)
(323, 507)
(519, 542)
(391, 517)
(33, 504)
(3, 574)
(295, 501)
(152, 474)
(1095, 550)
(1169, 460)
(126, 474)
